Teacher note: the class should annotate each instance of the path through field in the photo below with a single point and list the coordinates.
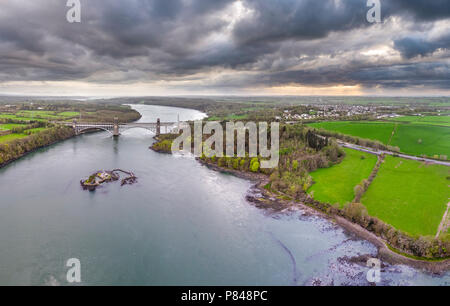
(444, 222)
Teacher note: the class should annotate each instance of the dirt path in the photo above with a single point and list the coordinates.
(443, 222)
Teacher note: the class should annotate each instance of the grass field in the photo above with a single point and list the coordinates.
(418, 139)
(229, 117)
(336, 184)
(409, 195)
(15, 117)
(381, 131)
(38, 114)
(36, 130)
(411, 138)
(69, 114)
(9, 126)
(430, 120)
(10, 137)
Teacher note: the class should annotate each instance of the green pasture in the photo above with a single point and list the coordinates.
(11, 137)
(412, 138)
(430, 120)
(9, 126)
(380, 131)
(409, 195)
(419, 139)
(336, 184)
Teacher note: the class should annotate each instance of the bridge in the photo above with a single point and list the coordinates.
(115, 128)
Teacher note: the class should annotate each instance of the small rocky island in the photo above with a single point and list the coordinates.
(105, 176)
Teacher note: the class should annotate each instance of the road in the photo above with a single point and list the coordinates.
(379, 152)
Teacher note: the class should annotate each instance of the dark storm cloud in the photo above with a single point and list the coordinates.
(422, 10)
(309, 19)
(388, 76)
(411, 47)
(400, 75)
(147, 40)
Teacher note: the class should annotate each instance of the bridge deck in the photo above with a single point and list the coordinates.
(146, 124)
(114, 128)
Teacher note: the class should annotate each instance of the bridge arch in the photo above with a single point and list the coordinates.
(88, 129)
(153, 130)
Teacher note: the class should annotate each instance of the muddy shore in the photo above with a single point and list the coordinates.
(264, 199)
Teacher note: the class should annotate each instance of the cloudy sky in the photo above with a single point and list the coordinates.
(239, 47)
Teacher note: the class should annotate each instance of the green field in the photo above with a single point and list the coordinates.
(9, 126)
(418, 139)
(431, 120)
(409, 195)
(336, 184)
(10, 137)
(411, 138)
(380, 131)
(36, 130)
(69, 114)
(15, 117)
(38, 114)
(229, 117)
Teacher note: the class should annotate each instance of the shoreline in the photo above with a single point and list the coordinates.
(38, 148)
(264, 199)
(48, 145)
(34, 150)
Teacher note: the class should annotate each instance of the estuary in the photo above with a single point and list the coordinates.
(180, 224)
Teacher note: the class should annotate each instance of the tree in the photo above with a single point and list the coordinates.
(295, 165)
(254, 165)
(236, 163)
(356, 212)
(242, 164)
(359, 191)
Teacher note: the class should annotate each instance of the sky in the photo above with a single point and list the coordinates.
(224, 47)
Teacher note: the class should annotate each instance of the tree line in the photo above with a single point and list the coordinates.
(14, 149)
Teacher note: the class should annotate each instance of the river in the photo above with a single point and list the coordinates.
(181, 224)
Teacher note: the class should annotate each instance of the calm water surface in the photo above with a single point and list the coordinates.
(181, 224)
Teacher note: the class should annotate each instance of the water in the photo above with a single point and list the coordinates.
(181, 224)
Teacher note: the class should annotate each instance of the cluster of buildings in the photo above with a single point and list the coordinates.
(311, 112)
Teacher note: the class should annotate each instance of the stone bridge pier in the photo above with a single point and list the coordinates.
(158, 127)
(74, 126)
(116, 132)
